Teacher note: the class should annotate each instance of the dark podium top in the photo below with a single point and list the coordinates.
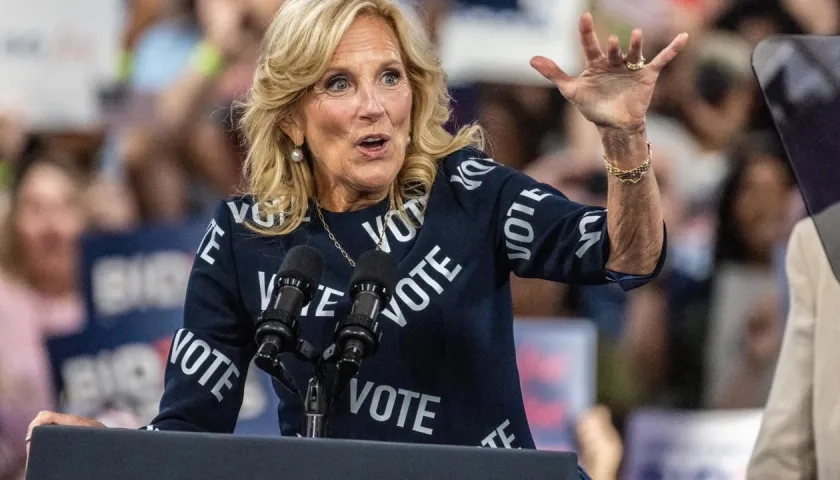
(59, 453)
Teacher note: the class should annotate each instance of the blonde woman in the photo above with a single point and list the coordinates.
(348, 153)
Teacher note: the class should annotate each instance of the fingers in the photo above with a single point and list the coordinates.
(588, 38)
(634, 55)
(53, 418)
(614, 55)
(668, 53)
(551, 71)
(43, 418)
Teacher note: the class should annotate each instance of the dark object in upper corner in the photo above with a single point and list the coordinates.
(772, 10)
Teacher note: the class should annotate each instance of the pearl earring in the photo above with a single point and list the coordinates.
(408, 140)
(297, 155)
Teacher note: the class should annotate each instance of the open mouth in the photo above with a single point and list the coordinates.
(373, 145)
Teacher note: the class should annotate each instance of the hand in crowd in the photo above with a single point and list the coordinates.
(600, 446)
(818, 17)
(435, 13)
(12, 135)
(110, 206)
(263, 11)
(223, 22)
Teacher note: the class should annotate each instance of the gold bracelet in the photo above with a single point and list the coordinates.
(632, 176)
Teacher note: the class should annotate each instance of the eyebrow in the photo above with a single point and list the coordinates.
(386, 64)
(392, 63)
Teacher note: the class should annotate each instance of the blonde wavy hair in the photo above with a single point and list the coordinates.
(296, 53)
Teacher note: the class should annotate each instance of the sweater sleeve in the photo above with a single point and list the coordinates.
(209, 357)
(536, 231)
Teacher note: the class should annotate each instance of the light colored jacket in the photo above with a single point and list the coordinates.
(800, 431)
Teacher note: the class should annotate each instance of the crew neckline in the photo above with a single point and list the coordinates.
(371, 211)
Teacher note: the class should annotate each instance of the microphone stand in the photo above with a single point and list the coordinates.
(358, 337)
(316, 405)
(316, 402)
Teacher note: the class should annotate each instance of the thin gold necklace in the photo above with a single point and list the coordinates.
(338, 245)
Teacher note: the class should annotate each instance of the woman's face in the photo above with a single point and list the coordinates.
(356, 120)
(49, 219)
(761, 206)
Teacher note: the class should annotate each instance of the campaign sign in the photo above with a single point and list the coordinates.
(678, 445)
(488, 41)
(55, 56)
(134, 286)
(557, 368)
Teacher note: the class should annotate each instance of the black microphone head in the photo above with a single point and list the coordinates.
(306, 264)
(378, 267)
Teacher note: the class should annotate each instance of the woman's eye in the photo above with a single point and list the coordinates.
(338, 84)
(391, 78)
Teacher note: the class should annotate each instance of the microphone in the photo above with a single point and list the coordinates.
(357, 336)
(277, 327)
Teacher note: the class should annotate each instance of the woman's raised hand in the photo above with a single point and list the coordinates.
(614, 89)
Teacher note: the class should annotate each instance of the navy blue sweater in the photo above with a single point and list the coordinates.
(446, 369)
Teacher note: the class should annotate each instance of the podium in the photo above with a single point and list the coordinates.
(65, 453)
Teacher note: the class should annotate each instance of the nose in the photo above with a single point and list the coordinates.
(371, 107)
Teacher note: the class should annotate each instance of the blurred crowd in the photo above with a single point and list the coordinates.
(704, 335)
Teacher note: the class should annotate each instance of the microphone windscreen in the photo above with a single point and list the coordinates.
(304, 263)
(378, 267)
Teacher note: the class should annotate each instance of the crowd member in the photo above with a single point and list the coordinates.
(732, 349)
(39, 291)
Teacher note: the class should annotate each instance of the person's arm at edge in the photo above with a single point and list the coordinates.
(785, 444)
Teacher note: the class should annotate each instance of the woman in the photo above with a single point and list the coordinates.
(723, 340)
(348, 153)
(744, 342)
(38, 291)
